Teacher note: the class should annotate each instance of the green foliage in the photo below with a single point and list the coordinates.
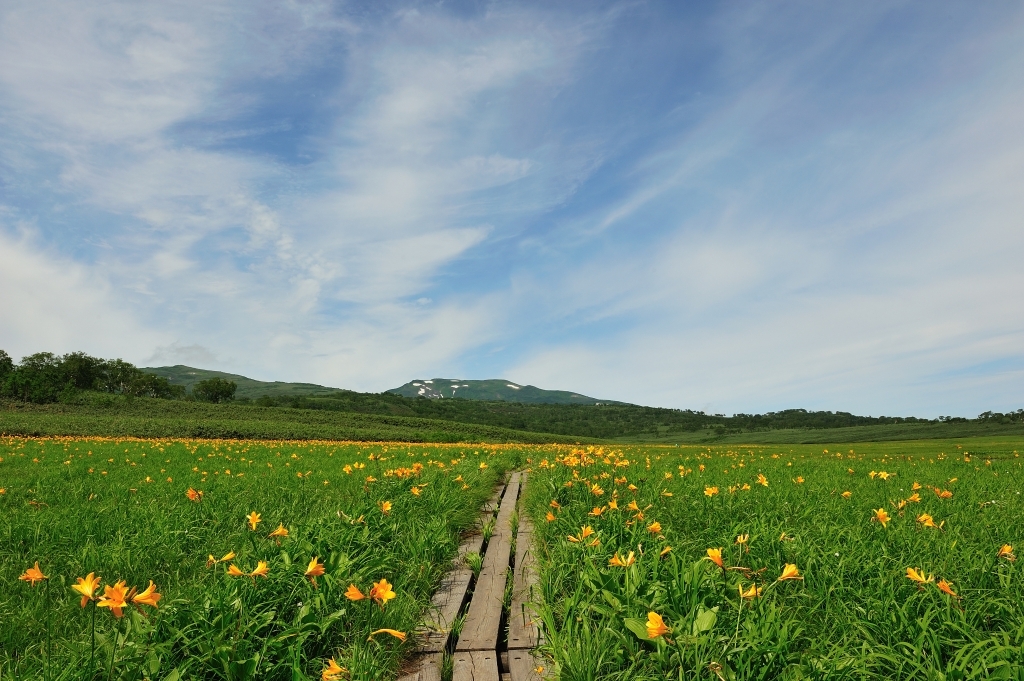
(214, 390)
(119, 509)
(119, 416)
(854, 614)
(45, 378)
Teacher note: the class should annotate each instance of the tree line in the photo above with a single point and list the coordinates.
(46, 377)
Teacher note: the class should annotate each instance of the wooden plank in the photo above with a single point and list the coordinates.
(423, 668)
(447, 600)
(523, 666)
(475, 665)
(522, 628)
(483, 620)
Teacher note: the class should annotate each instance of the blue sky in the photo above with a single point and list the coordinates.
(736, 207)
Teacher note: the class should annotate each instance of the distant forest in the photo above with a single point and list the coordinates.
(45, 378)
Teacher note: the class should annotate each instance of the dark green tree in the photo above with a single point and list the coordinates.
(214, 390)
(82, 371)
(37, 378)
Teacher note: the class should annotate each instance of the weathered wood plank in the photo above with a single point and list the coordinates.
(475, 665)
(522, 628)
(425, 667)
(482, 626)
(523, 666)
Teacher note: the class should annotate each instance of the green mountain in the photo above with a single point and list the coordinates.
(247, 387)
(492, 390)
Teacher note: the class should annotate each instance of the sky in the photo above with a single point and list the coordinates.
(727, 206)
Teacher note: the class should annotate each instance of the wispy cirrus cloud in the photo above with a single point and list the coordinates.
(736, 207)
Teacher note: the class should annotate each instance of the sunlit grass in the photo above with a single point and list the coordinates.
(121, 509)
(848, 610)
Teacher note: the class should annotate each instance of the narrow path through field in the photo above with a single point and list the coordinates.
(496, 643)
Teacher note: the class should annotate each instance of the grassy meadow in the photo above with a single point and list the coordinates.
(671, 563)
(122, 510)
(868, 561)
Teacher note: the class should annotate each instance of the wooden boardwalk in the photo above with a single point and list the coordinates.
(479, 653)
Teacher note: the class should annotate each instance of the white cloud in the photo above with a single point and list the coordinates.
(55, 305)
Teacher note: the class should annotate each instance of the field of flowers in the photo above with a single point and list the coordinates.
(179, 559)
(873, 561)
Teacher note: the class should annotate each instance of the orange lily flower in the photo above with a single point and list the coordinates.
(946, 588)
(613, 505)
(234, 571)
(743, 539)
(872, 475)
(211, 561)
(916, 486)
(654, 528)
(753, 592)
(353, 593)
(665, 551)
(280, 533)
(394, 632)
(745, 487)
(148, 597)
(415, 490)
(194, 495)
(33, 575)
(261, 570)
(918, 576)
(884, 476)
(799, 480)
(632, 487)
(385, 507)
(847, 494)
(926, 520)
(716, 557)
(550, 517)
(314, 570)
(598, 510)
(631, 506)
(332, 672)
(761, 480)
(943, 494)
(789, 572)
(616, 561)
(382, 592)
(881, 516)
(254, 520)
(586, 531)
(1006, 552)
(555, 504)
(87, 587)
(114, 597)
(656, 625)
(710, 491)
(914, 498)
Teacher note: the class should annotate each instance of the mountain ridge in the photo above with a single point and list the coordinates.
(492, 390)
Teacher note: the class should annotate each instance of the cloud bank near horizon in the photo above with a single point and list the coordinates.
(730, 208)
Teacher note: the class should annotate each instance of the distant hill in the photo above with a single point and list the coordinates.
(247, 387)
(492, 390)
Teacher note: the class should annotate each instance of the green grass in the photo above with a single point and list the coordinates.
(889, 432)
(855, 615)
(119, 508)
(117, 416)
